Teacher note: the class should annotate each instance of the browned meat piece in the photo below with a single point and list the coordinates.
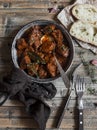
(25, 60)
(49, 29)
(51, 66)
(19, 53)
(47, 38)
(21, 44)
(63, 50)
(47, 47)
(48, 44)
(52, 69)
(47, 57)
(58, 36)
(27, 50)
(42, 72)
(35, 36)
(33, 69)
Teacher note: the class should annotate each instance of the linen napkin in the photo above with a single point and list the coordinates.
(32, 94)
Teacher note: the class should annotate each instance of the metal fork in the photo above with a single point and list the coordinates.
(80, 88)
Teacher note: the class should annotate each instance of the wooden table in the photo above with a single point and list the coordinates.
(13, 15)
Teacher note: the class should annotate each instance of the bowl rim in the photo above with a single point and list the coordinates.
(26, 27)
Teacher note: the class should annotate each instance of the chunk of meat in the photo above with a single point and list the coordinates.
(47, 38)
(52, 69)
(27, 50)
(47, 47)
(47, 57)
(19, 53)
(42, 72)
(35, 36)
(21, 44)
(51, 66)
(58, 36)
(48, 44)
(27, 59)
(24, 61)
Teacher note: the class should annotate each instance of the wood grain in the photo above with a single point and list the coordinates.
(20, 4)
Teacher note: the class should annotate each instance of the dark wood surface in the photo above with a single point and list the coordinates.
(13, 15)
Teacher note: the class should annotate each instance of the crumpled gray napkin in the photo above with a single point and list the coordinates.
(32, 94)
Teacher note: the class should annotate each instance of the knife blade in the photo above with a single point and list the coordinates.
(63, 74)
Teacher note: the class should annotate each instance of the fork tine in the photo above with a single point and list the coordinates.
(81, 84)
(84, 84)
(78, 83)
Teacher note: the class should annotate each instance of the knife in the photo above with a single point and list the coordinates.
(68, 95)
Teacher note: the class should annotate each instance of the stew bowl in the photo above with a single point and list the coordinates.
(43, 23)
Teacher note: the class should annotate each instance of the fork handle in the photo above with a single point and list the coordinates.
(80, 119)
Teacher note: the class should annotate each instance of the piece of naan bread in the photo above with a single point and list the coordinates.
(85, 32)
(85, 12)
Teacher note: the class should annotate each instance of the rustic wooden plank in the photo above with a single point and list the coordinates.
(51, 123)
(12, 21)
(71, 113)
(57, 102)
(10, 26)
(8, 128)
(31, 4)
(35, 0)
(30, 12)
(19, 112)
(26, 4)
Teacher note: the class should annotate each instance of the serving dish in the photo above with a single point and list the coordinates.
(66, 36)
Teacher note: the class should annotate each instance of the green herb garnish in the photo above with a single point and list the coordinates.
(36, 58)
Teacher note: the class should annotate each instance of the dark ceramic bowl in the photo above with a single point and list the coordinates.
(43, 23)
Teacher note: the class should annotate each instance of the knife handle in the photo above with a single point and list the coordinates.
(80, 119)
